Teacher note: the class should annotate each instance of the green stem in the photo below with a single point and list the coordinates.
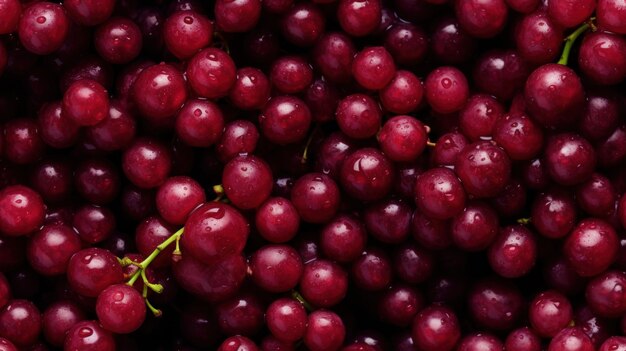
(141, 272)
(305, 153)
(219, 192)
(157, 288)
(144, 264)
(155, 311)
(523, 221)
(296, 295)
(569, 41)
(125, 261)
(218, 189)
(134, 277)
(177, 254)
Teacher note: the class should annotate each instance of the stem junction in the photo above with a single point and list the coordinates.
(143, 265)
(569, 41)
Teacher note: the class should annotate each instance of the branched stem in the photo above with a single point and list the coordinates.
(157, 288)
(126, 261)
(176, 255)
(143, 265)
(569, 41)
(155, 311)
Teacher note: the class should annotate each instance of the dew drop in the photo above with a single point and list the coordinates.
(118, 296)
(446, 83)
(85, 332)
(216, 213)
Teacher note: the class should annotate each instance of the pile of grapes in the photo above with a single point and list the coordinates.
(275, 175)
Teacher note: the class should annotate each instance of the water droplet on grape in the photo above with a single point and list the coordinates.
(85, 332)
(118, 296)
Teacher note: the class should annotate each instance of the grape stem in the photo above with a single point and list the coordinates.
(157, 312)
(305, 153)
(569, 41)
(220, 193)
(296, 295)
(141, 272)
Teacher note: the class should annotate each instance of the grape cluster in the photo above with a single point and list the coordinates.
(324, 175)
